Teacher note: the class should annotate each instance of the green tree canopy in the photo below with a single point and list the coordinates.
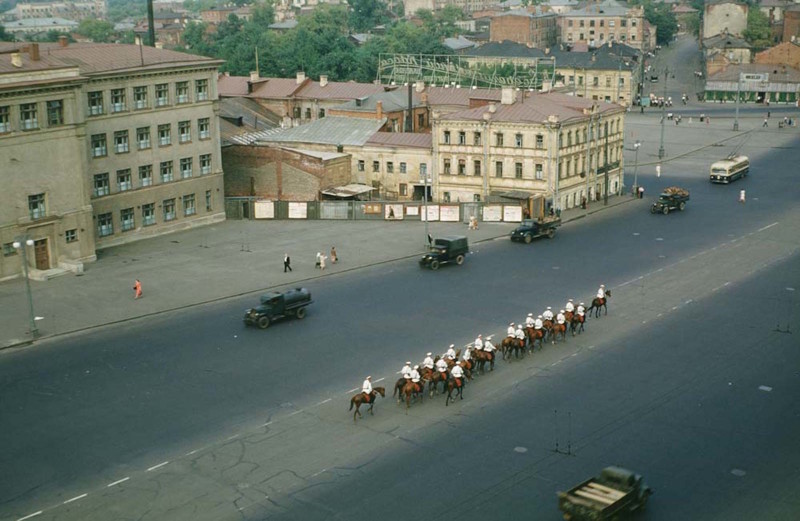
(98, 31)
(758, 32)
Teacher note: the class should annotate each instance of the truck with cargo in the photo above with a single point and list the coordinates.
(613, 495)
(672, 198)
(276, 305)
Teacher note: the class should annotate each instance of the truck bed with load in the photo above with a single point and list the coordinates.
(672, 198)
(613, 494)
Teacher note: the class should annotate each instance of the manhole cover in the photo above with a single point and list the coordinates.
(738, 472)
(521, 450)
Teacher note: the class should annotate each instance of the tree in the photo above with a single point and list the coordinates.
(264, 15)
(758, 33)
(99, 31)
(4, 36)
(366, 14)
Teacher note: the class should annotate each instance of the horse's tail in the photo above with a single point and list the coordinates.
(352, 401)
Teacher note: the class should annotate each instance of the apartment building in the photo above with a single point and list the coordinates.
(537, 29)
(598, 23)
(71, 10)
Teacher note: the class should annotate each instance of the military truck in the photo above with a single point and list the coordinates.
(444, 250)
(531, 229)
(612, 495)
(277, 305)
(672, 198)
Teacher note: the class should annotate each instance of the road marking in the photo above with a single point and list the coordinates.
(323, 402)
(352, 390)
(555, 363)
(674, 308)
(738, 472)
(296, 412)
(635, 234)
(764, 388)
(659, 238)
(574, 354)
(157, 466)
(727, 284)
(318, 473)
(123, 480)
(75, 498)
(659, 269)
(767, 227)
(29, 516)
(591, 347)
(232, 437)
(789, 289)
(380, 380)
(688, 301)
(265, 425)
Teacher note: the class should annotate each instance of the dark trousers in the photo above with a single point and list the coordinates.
(286, 265)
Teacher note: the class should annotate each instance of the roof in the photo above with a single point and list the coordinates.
(98, 58)
(590, 60)
(561, 3)
(331, 130)
(361, 38)
(507, 49)
(538, 13)
(459, 43)
(536, 109)
(232, 85)
(710, 2)
(605, 8)
(401, 139)
(348, 190)
(286, 24)
(324, 156)
(241, 117)
(274, 87)
(39, 23)
(777, 73)
(338, 90)
(682, 9)
(455, 96)
(392, 101)
(725, 41)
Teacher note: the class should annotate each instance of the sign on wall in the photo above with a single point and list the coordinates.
(493, 213)
(412, 210)
(433, 213)
(298, 210)
(512, 214)
(448, 213)
(265, 210)
(393, 212)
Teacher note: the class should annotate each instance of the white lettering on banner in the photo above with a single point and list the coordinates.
(298, 210)
(449, 213)
(512, 214)
(433, 213)
(492, 213)
(412, 210)
(265, 210)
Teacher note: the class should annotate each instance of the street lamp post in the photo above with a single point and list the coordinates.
(20, 244)
(663, 115)
(738, 87)
(636, 167)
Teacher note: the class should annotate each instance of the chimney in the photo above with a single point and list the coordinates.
(323, 80)
(254, 76)
(547, 51)
(63, 41)
(594, 56)
(419, 86)
(379, 109)
(16, 59)
(159, 45)
(493, 106)
(424, 98)
(301, 77)
(508, 96)
(33, 52)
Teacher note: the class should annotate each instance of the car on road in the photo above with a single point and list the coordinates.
(672, 198)
(444, 250)
(530, 229)
(612, 495)
(277, 305)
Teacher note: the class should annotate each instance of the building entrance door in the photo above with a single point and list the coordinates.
(41, 254)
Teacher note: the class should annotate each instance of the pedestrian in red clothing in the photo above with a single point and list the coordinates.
(137, 289)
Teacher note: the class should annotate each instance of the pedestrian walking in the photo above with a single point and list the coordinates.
(708, 121)
(769, 114)
(322, 259)
(334, 256)
(137, 289)
(741, 196)
(319, 259)
(765, 123)
(658, 170)
(287, 263)
(641, 192)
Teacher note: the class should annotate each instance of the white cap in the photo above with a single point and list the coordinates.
(416, 367)
(489, 337)
(452, 345)
(429, 354)
(479, 336)
(369, 378)
(548, 307)
(561, 311)
(408, 362)
(511, 324)
(540, 316)
(530, 314)
(570, 300)
(581, 304)
(602, 286)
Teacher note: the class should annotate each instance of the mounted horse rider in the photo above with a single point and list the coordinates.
(457, 373)
(511, 331)
(560, 318)
(406, 371)
(478, 344)
(520, 334)
(451, 352)
(581, 310)
(569, 307)
(488, 347)
(467, 356)
(529, 320)
(601, 293)
(548, 314)
(415, 377)
(428, 362)
(366, 388)
(537, 324)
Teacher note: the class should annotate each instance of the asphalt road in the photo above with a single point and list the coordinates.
(209, 420)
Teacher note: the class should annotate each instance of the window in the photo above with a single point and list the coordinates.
(569, 23)
(96, 103)
(143, 137)
(582, 37)
(201, 90)
(166, 171)
(308, 113)
(518, 170)
(36, 206)
(498, 139)
(204, 128)
(188, 205)
(321, 113)
(162, 95)
(539, 141)
(376, 166)
(633, 37)
(5, 119)
(146, 175)
(569, 138)
(71, 235)
(389, 167)
(121, 141)
(205, 164)
(101, 185)
(498, 169)
(462, 138)
(402, 168)
(27, 116)
(446, 197)
(476, 139)
(164, 135)
(447, 167)
(591, 23)
(99, 145)
(208, 200)
(476, 198)
(476, 167)
(446, 137)
(126, 219)
(105, 225)
(462, 167)
(184, 131)
(9, 249)
(611, 23)
(140, 97)
(117, 100)
(124, 180)
(186, 167)
(403, 189)
(621, 81)
(538, 171)
(182, 92)
(296, 112)
(623, 23)
(596, 81)
(169, 209)
(149, 214)
(420, 121)
(55, 113)
(360, 165)
(633, 24)
(518, 140)
(582, 25)
(608, 81)
(423, 170)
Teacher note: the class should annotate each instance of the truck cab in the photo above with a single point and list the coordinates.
(444, 250)
(530, 229)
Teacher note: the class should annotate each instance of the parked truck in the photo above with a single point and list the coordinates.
(277, 305)
(672, 198)
(612, 495)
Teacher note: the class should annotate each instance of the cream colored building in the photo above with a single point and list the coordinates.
(520, 144)
(607, 21)
(395, 163)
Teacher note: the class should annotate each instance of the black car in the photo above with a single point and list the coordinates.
(277, 305)
(444, 250)
(530, 229)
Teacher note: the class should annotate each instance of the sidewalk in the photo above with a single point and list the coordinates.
(225, 260)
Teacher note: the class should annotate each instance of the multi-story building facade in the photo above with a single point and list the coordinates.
(559, 146)
(724, 17)
(598, 23)
(147, 121)
(537, 29)
(71, 10)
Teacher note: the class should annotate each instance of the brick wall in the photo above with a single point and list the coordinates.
(513, 28)
(791, 25)
(786, 53)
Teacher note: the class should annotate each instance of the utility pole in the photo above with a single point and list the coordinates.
(605, 165)
(663, 115)
(738, 90)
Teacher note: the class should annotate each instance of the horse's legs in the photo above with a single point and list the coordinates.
(605, 308)
(370, 408)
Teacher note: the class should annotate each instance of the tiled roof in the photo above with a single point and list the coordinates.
(725, 41)
(536, 109)
(316, 153)
(338, 90)
(458, 43)
(538, 13)
(507, 49)
(392, 101)
(777, 73)
(331, 130)
(252, 137)
(275, 88)
(401, 139)
(232, 85)
(590, 60)
(682, 9)
(39, 23)
(606, 8)
(454, 96)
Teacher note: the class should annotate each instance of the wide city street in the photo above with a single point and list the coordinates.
(690, 379)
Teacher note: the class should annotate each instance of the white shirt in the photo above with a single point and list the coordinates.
(414, 375)
(428, 362)
(511, 331)
(441, 365)
(601, 293)
(560, 318)
(520, 334)
(570, 307)
(488, 346)
(538, 323)
(467, 355)
(529, 321)
(478, 343)
(581, 310)
(450, 353)
(548, 315)
(366, 387)
(457, 372)
(405, 371)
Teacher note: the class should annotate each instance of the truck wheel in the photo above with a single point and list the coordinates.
(434, 264)
(551, 233)
(681, 206)
(460, 260)
(528, 238)
(301, 313)
(665, 210)
(263, 322)
(652, 209)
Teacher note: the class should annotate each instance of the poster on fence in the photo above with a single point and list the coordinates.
(393, 212)
(512, 214)
(433, 213)
(412, 210)
(265, 210)
(298, 210)
(492, 213)
(449, 213)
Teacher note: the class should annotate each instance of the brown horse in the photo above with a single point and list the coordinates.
(547, 327)
(467, 366)
(518, 347)
(359, 399)
(559, 329)
(481, 357)
(433, 381)
(568, 315)
(456, 384)
(507, 345)
(412, 390)
(576, 324)
(398, 388)
(598, 303)
(535, 335)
